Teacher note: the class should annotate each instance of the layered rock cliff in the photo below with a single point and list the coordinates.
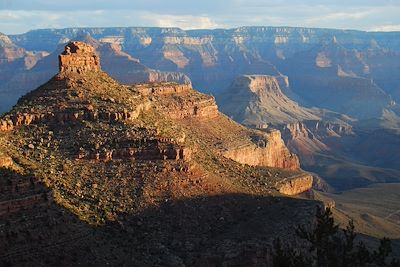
(89, 163)
(187, 135)
(259, 102)
(337, 78)
(321, 138)
(309, 138)
(318, 61)
(129, 70)
(111, 103)
(14, 59)
(255, 100)
(268, 150)
(8, 51)
(213, 58)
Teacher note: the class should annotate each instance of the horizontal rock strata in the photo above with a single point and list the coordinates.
(269, 151)
(296, 185)
(78, 57)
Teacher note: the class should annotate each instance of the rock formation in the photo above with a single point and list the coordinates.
(9, 52)
(335, 69)
(175, 101)
(259, 102)
(296, 186)
(121, 66)
(78, 57)
(129, 70)
(310, 137)
(214, 58)
(14, 60)
(337, 78)
(258, 99)
(163, 89)
(86, 113)
(83, 150)
(268, 150)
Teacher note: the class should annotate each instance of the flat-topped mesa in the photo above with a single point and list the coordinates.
(78, 57)
(261, 84)
(268, 149)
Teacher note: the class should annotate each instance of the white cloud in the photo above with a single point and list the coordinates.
(328, 17)
(20, 21)
(385, 28)
(8, 16)
(183, 22)
(348, 15)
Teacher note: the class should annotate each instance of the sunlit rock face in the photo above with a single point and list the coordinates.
(78, 57)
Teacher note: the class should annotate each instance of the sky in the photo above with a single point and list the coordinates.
(19, 16)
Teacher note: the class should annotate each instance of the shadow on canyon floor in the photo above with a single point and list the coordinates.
(227, 230)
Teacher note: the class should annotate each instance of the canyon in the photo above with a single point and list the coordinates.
(327, 142)
(323, 100)
(83, 156)
(214, 58)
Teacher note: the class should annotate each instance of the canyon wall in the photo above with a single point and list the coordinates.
(270, 150)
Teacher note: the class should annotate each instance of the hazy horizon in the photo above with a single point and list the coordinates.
(194, 29)
(17, 16)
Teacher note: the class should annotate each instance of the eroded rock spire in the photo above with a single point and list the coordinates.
(79, 57)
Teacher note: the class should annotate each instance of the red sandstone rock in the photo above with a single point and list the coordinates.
(202, 109)
(296, 185)
(150, 149)
(78, 57)
(9, 122)
(270, 152)
(167, 89)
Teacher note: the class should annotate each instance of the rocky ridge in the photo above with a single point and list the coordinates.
(359, 64)
(255, 100)
(79, 58)
(337, 78)
(83, 151)
(121, 66)
(324, 140)
(268, 150)
(214, 58)
(258, 101)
